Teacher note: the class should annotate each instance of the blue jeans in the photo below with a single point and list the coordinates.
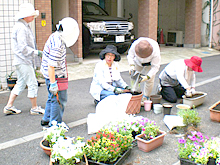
(104, 93)
(53, 110)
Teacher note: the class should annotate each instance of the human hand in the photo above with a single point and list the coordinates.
(118, 90)
(188, 93)
(53, 88)
(128, 87)
(131, 69)
(193, 91)
(144, 78)
(40, 53)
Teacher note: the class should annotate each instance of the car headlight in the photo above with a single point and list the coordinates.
(130, 25)
(96, 26)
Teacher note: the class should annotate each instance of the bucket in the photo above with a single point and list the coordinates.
(167, 108)
(155, 99)
(147, 105)
(134, 105)
(158, 108)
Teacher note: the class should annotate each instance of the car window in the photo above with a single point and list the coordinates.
(92, 9)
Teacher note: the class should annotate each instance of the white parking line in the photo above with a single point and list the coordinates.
(34, 136)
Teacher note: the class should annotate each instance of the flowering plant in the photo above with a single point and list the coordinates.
(67, 151)
(54, 132)
(107, 146)
(128, 125)
(198, 148)
(150, 131)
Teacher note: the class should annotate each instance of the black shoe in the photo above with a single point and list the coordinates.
(43, 123)
(96, 102)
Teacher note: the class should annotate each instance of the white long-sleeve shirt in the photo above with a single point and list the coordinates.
(154, 58)
(102, 79)
(177, 70)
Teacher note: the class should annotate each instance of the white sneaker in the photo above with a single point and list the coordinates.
(37, 111)
(11, 110)
(159, 88)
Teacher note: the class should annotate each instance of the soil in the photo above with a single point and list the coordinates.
(196, 95)
(217, 107)
(46, 143)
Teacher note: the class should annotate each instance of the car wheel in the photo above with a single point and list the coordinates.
(123, 49)
(86, 41)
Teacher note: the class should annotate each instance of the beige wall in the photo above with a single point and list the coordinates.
(216, 27)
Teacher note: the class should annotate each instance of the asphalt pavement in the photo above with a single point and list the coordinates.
(20, 135)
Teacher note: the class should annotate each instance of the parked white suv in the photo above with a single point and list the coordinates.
(100, 29)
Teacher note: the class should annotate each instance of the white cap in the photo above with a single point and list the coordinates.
(26, 10)
(70, 30)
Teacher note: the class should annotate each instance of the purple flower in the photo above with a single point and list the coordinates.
(181, 141)
(199, 134)
(193, 138)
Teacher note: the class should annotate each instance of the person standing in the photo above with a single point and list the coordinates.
(107, 79)
(25, 53)
(54, 66)
(144, 57)
(178, 78)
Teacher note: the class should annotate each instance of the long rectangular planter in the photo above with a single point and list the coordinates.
(195, 101)
(148, 145)
(215, 114)
(118, 162)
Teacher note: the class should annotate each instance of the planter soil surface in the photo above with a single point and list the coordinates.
(195, 95)
(217, 107)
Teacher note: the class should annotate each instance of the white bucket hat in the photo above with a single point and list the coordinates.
(26, 10)
(69, 30)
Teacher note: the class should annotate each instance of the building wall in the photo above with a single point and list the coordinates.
(43, 32)
(216, 25)
(147, 18)
(193, 19)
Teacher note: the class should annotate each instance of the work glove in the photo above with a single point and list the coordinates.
(144, 78)
(53, 88)
(118, 90)
(131, 69)
(193, 91)
(128, 88)
(40, 53)
(188, 93)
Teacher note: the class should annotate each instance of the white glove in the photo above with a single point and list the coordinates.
(131, 69)
(53, 88)
(145, 78)
(188, 93)
(193, 91)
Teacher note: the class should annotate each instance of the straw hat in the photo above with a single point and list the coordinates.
(26, 10)
(143, 49)
(110, 49)
(69, 30)
(195, 63)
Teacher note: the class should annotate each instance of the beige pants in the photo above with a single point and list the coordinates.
(149, 84)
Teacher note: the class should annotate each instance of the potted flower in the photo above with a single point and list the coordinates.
(52, 134)
(150, 138)
(108, 147)
(191, 119)
(67, 150)
(198, 149)
(11, 80)
(131, 125)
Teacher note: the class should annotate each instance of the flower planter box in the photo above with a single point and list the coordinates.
(215, 112)
(134, 105)
(148, 145)
(11, 82)
(118, 162)
(196, 100)
(189, 162)
(46, 149)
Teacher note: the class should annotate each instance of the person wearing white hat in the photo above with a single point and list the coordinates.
(144, 57)
(25, 53)
(54, 66)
